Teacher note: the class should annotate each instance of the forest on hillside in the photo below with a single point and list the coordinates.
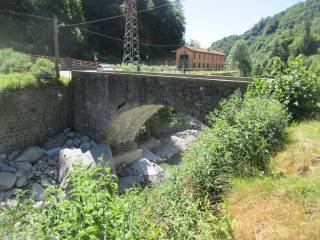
(163, 25)
(286, 35)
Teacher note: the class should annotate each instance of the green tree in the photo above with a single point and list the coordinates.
(302, 42)
(240, 57)
(286, 35)
(165, 25)
(194, 43)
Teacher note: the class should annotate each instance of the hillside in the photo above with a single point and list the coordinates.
(26, 26)
(286, 35)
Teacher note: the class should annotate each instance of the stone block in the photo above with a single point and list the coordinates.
(128, 157)
(150, 143)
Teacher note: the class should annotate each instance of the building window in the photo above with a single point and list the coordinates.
(204, 65)
(199, 65)
(194, 65)
(208, 66)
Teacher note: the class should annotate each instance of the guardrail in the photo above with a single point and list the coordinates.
(69, 63)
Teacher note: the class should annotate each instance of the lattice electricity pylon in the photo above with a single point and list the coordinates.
(131, 53)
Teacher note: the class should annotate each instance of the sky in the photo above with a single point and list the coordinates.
(211, 20)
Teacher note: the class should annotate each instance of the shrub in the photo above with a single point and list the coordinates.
(243, 133)
(92, 210)
(297, 87)
(12, 61)
(173, 212)
(44, 71)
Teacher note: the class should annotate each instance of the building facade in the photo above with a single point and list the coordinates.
(197, 58)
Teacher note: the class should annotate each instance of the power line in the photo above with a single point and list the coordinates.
(96, 33)
(121, 40)
(117, 16)
(101, 35)
(160, 45)
(25, 14)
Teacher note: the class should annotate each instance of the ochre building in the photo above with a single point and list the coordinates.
(198, 58)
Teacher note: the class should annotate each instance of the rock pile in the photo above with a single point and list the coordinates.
(36, 168)
(146, 170)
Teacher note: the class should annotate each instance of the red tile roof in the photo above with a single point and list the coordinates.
(202, 50)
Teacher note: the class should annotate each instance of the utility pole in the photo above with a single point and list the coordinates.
(56, 45)
(131, 51)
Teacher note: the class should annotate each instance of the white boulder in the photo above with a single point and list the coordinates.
(68, 159)
(152, 172)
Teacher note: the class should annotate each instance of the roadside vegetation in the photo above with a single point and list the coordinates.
(18, 72)
(174, 70)
(251, 174)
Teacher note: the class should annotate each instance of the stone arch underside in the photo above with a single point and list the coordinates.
(124, 129)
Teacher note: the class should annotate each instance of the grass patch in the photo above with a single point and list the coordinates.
(302, 151)
(16, 81)
(235, 73)
(286, 207)
(65, 81)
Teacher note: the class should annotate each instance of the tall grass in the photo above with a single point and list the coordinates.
(14, 81)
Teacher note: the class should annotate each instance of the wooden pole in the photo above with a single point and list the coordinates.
(56, 45)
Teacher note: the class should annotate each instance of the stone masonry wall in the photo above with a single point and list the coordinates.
(112, 107)
(30, 116)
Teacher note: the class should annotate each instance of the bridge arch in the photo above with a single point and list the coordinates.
(112, 107)
(121, 135)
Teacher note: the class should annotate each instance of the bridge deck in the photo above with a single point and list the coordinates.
(177, 76)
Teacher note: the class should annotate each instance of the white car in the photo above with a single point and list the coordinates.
(105, 67)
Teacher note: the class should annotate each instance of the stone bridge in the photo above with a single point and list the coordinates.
(112, 107)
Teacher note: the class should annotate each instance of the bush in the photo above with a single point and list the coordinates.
(297, 87)
(12, 61)
(243, 133)
(44, 71)
(92, 210)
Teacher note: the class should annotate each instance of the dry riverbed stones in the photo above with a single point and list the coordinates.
(35, 168)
